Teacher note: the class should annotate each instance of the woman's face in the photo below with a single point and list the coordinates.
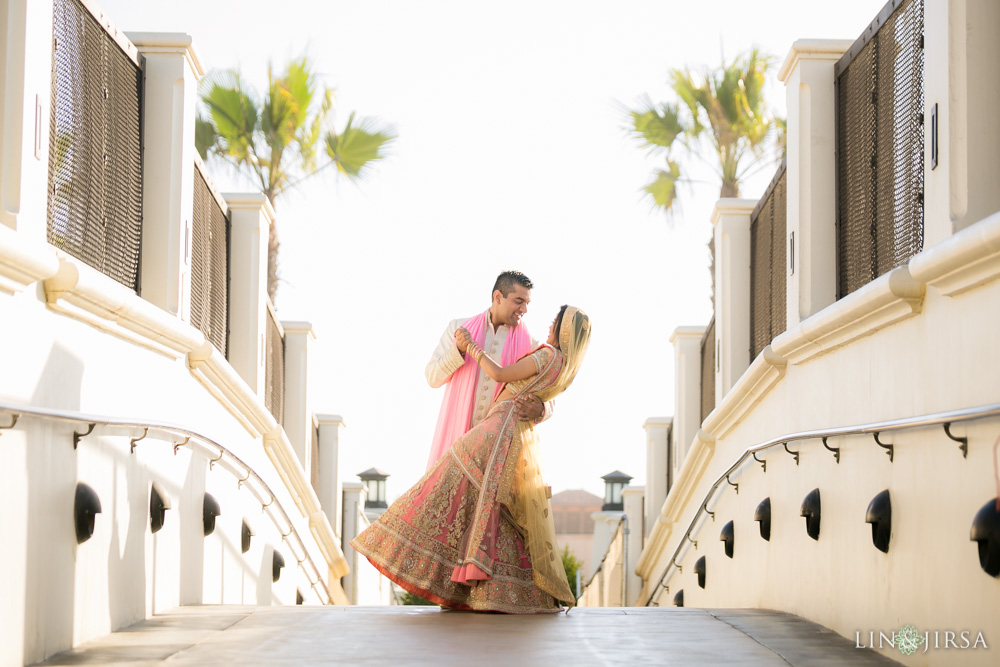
(553, 333)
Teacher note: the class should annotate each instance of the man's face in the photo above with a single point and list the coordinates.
(511, 308)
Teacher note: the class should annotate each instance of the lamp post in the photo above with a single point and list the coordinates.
(614, 482)
(374, 480)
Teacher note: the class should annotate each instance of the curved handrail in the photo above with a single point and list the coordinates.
(874, 428)
(188, 434)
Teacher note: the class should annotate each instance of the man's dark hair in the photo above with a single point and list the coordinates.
(506, 280)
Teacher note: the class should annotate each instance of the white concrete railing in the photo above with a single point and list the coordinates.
(76, 290)
(223, 456)
(749, 456)
(970, 258)
(605, 588)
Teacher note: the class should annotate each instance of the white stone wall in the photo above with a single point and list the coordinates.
(918, 340)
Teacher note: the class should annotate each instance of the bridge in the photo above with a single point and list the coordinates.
(238, 635)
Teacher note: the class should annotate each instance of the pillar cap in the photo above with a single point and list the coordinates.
(250, 200)
(325, 419)
(299, 327)
(732, 206)
(812, 49)
(168, 42)
(688, 332)
(633, 491)
(658, 421)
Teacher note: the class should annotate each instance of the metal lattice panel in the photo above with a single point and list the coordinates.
(274, 370)
(880, 147)
(768, 280)
(209, 265)
(708, 371)
(95, 159)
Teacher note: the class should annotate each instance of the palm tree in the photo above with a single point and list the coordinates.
(277, 138)
(720, 109)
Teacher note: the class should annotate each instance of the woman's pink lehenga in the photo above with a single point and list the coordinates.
(458, 537)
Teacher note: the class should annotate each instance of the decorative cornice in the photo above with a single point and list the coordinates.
(687, 332)
(965, 260)
(23, 262)
(886, 300)
(76, 290)
(812, 49)
(732, 206)
(169, 42)
(764, 372)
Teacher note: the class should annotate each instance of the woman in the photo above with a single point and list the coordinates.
(476, 531)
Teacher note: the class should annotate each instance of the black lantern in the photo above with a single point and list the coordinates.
(374, 480)
(614, 482)
(210, 510)
(159, 503)
(86, 507)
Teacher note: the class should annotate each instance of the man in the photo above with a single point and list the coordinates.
(470, 392)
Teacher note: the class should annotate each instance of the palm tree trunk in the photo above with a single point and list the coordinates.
(272, 263)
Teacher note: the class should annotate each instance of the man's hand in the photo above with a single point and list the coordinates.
(462, 339)
(528, 408)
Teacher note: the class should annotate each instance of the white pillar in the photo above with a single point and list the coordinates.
(298, 418)
(633, 497)
(658, 470)
(329, 491)
(687, 391)
(170, 95)
(605, 524)
(353, 522)
(731, 219)
(961, 51)
(250, 218)
(25, 83)
(811, 223)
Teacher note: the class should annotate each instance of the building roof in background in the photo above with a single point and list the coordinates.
(576, 497)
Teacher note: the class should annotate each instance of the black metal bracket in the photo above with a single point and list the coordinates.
(178, 445)
(835, 450)
(241, 482)
(763, 463)
(13, 420)
(735, 486)
(77, 436)
(694, 542)
(711, 514)
(964, 442)
(887, 447)
(135, 440)
(795, 455)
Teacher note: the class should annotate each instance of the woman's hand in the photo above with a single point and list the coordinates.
(462, 339)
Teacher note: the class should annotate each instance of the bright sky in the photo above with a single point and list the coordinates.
(511, 155)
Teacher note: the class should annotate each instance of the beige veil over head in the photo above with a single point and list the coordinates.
(530, 506)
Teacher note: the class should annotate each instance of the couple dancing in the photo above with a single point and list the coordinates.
(476, 532)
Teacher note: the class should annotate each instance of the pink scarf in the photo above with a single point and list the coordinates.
(459, 394)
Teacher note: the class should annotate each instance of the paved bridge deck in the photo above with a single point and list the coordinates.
(220, 635)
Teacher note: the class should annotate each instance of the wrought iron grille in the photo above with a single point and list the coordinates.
(274, 369)
(768, 280)
(95, 151)
(880, 147)
(708, 371)
(209, 264)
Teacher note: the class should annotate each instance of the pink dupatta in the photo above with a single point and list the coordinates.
(459, 393)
